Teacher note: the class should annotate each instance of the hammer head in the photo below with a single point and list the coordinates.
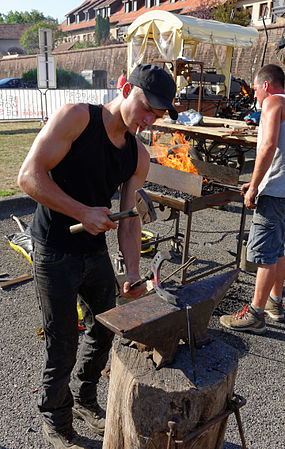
(144, 207)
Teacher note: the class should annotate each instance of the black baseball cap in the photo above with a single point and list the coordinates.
(159, 87)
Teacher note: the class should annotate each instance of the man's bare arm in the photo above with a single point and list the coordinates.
(129, 231)
(49, 148)
(270, 118)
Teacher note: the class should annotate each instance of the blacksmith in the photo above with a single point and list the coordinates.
(73, 169)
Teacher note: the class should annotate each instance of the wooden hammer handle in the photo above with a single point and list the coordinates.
(23, 277)
(74, 229)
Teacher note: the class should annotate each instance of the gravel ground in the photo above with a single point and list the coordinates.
(260, 376)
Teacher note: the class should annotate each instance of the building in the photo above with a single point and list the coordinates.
(257, 10)
(80, 22)
(10, 35)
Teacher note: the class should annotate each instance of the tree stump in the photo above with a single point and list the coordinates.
(142, 400)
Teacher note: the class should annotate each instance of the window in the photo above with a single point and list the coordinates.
(77, 18)
(171, 1)
(148, 3)
(263, 10)
(155, 2)
(135, 5)
(87, 16)
(109, 11)
(127, 7)
(249, 11)
(68, 20)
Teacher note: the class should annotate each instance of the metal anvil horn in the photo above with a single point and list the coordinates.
(155, 323)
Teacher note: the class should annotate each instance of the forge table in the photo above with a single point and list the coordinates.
(218, 140)
(188, 207)
(214, 129)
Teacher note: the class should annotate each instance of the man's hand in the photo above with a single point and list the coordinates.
(96, 220)
(136, 292)
(249, 193)
(244, 188)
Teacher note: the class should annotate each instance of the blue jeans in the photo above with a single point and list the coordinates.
(267, 232)
(60, 280)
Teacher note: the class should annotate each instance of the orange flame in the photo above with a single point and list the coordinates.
(175, 154)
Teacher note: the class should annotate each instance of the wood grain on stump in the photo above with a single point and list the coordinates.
(142, 399)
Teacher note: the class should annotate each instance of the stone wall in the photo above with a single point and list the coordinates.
(113, 58)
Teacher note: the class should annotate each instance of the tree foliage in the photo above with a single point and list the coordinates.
(83, 44)
(222, 12)
(102, 30)
(30, 38)
(25, 17)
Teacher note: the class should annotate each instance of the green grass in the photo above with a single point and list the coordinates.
(15, 141)
(6, 193)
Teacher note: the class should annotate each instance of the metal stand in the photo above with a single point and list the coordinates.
(233, 407)
(194, 205)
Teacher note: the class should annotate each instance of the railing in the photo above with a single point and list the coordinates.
(27, 104)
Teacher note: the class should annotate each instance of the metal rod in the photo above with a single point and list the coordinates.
(207, 273)
(240, 429)
(241, 235)
(201, 87)
(186, 244)
(266, 34)
(191, 340)
(221, 434)
(189, 262)
(234, 406)
(46, 57)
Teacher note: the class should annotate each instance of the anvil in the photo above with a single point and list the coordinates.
(158, 325)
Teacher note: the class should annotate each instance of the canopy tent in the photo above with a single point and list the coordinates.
(171, 33)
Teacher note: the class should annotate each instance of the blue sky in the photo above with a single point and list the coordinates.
(54, 8)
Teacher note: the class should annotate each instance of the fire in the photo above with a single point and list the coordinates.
(175, 154)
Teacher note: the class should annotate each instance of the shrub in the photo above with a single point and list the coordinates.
(64, 79)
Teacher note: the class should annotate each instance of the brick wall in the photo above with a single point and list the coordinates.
(114, 58)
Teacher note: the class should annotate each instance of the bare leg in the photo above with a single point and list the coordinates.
(265, 279)
(277, 288)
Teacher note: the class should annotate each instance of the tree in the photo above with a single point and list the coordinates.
(102, 30)
(25, 17)
(222, 12)
(30, 38)
(78, 45)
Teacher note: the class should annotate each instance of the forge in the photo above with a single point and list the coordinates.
(207, 185)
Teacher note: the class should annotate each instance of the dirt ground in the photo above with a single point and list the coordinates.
(260, 378)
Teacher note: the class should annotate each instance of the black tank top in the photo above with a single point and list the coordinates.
(90, 173)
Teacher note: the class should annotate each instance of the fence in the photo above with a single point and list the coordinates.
(27, 104)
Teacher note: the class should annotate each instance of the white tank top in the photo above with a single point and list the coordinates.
(273, 183)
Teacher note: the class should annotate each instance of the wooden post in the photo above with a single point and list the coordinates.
(143, 400)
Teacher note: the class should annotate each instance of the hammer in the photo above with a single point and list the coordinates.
(143, 208)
